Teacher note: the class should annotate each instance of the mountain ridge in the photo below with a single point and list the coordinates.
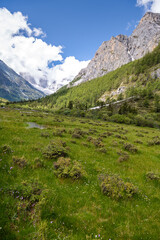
(15, 88)
(122, 49)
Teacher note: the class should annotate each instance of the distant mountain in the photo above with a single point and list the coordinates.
(122, 49)
(13, 87)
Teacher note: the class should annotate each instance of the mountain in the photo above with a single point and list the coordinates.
(15, 88)
(122, 49)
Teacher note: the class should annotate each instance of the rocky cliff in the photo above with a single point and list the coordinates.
(122, 49)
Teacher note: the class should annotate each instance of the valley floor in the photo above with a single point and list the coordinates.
(77, 178)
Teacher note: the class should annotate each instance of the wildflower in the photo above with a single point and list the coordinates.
(51, 222)
(11, 168)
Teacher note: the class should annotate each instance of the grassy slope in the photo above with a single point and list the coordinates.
(77, 210)
(89, 92)
(2, 100)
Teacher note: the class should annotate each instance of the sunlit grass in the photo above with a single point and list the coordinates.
(76, 209)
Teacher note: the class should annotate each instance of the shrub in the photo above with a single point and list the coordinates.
(138, 141)
(90, 138)
(85, 144)
(65, 168)
(130, 147)
(55, 150)
(102, 150)
(153, 176)
(114, 187)
(6, 149)
(97, 143)
(155, 141)
(120, 119)
(123, 156)
(45, 134)
(20, 162)
(58, 133)
(76, 135)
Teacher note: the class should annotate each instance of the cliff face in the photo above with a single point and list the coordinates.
(121, 50)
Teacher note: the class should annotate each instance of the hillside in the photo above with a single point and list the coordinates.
(15, 88)
(141, 74)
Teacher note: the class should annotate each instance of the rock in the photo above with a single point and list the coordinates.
(121, 49)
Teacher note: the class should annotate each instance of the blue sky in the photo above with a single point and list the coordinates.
(74, 30)
(79, 26)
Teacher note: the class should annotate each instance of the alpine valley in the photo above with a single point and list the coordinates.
(84, 162)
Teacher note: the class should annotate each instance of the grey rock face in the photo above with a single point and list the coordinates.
(121, 50)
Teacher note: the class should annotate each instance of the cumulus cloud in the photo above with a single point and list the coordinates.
(150, 5)
(22, 48)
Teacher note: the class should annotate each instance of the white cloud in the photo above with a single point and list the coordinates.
(23, 50)
(150, 5)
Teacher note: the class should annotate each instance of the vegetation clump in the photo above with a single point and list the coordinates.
(54, 150)
(113, 186)
(38, 163)
(153, 176)
(59, 132)
(76, 135)
(98, 143)
(20, 161)
(130, 147)
(65, 168)
(102, 150)
(6, 149)
(154, 141)
(45, 134)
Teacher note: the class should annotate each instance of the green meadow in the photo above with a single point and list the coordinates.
(77, 178)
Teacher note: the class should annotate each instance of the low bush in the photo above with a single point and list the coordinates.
(45, 134)
(76, 135)
(102, 150)
(65, 168)
(138, 141)
(20, 161)
(154, 141)
(153, 176)
(114, 187)
(98, 143)
(6, 149)
(123, 156)
(55, 149)
(130, 147)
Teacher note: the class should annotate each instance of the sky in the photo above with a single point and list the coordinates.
(53, 40)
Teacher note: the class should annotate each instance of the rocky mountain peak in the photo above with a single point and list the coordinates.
(151, 17)
(122, 49)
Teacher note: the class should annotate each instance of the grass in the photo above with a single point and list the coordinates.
(36, 204)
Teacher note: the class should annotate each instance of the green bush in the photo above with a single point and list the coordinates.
(153, 176)
(6, 149)
(114, 187)
(20, 161)
(65, 168)
(118, 118)
(130, 147)
(55, 150)
(45, 134)
(154, 141)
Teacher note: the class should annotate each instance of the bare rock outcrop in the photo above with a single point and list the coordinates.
(122, 49)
